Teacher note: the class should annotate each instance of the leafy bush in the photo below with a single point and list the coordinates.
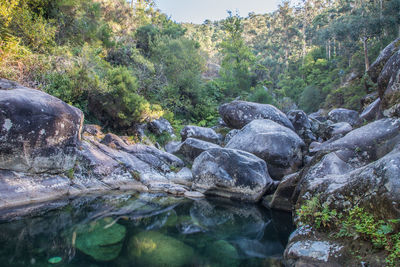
(120, 107)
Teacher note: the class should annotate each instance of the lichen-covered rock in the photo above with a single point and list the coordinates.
(172, 147)
(184, 177)
(237, 114)
(344, 115)
(191, 148)
(377, 66)
(161, 126)
(200, 133)
(338, 129)
(102, 239)
(38, 132)
(320, 115)
(230, 134)
(389, 82)
(374, 187)
(371, 112)
(280, 147)
(149, 248)
(371, 141)
(231, 173)
(302, 125)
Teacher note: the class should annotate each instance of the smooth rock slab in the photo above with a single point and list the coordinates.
(231, 173)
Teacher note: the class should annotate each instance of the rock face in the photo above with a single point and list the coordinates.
(371, 141)
(371, 112)
(161, 126)
(280, 147)
(201, 133)
(376, 67)
(388, 82)
(344, 115)
(237, 114)
(301, 124)
(231, 173)
(191, 148)
(39, 133)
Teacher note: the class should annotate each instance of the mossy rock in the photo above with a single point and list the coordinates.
(155, 249)
(101, 239)
(222, 253)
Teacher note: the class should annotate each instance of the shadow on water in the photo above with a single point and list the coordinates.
(146, 230)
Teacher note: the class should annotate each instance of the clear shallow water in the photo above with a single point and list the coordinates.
(146, 230)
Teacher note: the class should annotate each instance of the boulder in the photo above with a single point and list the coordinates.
(320, 115)
(184, 177)
(201, 133)
(338, 129)
(230, 134)
(38, 133)
(280, 147)
(344, 115)
(371, 112)
(302, 125)
(92, 129)
(191, 148)
(377, 66)
(374, 187)
(282, 197)
(237, 114)
(371, 141)
(160, 126)
(172, 147)
(388, 82)
(231, 173)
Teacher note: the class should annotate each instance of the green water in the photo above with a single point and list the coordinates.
(144, 230)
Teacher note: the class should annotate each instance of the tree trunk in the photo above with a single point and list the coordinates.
(364, 40)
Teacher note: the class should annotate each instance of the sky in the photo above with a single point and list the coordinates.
(197, 11)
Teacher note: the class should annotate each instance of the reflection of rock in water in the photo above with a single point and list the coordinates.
(255, 248)
(282, 224)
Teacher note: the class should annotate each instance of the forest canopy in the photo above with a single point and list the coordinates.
(125, 63)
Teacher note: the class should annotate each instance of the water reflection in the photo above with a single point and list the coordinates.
(146, 230)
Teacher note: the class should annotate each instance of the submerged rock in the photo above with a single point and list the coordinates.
(155, 249)
(38, 132)
(222, 253)
(231, 173)
(280, 147)
(237, 114)
(102, 240)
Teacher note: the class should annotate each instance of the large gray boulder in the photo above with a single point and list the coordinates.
(344, 115)
(201, 133)
(231, 173)
(377, 66)
(191, 148)
(388, 82)
(371, 141)
(237, 114)
(336, 129)
(39, 133)
(374, 187)
(280, 147)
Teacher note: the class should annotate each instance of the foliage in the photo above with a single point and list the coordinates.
(355, 223)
